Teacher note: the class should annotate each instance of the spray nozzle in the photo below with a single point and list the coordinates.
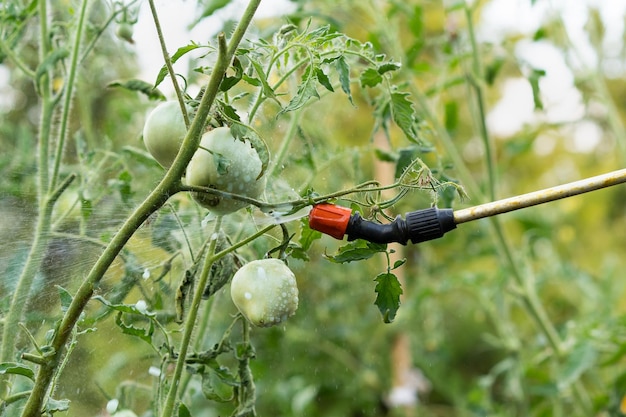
(417, 226)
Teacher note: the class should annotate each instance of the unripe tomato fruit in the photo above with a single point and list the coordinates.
(265, 292)
(226, 164)
(164, 131)
(124, 31)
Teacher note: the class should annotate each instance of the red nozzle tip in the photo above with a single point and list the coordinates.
(330, 219)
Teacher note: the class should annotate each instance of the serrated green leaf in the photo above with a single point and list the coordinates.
(343, 69)
(404, 116)
(268, 91)
(139, 86)
(14, 368)
(228, 111)
(307, 235)
(230, 81)
(306, 91)
(388, 290)
(370, 78)
(177, 55)
(323, 79)
(356, 251)
(129, 329)
(387, 67)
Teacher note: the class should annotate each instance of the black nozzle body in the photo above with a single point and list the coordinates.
(418, 226)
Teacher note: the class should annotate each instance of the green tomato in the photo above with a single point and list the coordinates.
(164, 131)
(265, 292)
(124, 31)
(226, 164)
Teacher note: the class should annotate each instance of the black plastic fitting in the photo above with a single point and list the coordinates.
(418, 226)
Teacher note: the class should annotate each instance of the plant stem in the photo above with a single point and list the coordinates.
(68, 92)
(168, 408)
(168, 63)
(203, 326)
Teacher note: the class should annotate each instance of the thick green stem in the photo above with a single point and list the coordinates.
(170, 402)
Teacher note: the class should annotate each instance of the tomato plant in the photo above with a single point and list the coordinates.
(156, 224)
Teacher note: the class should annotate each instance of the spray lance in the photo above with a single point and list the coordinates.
(432, 223)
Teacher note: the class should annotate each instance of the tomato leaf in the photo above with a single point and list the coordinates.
(230, 81)
(306, 91)
(405, 116)
(343, 69)
(177, 55)
(139, 86)
(268, 91)
(15, 368)
(370, 78)
(388, 291)
(129, 329)
(356, 251)
(388, 66)
(307, 235)
(323, 79)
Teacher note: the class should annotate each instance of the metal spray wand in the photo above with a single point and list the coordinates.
(432, 223)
